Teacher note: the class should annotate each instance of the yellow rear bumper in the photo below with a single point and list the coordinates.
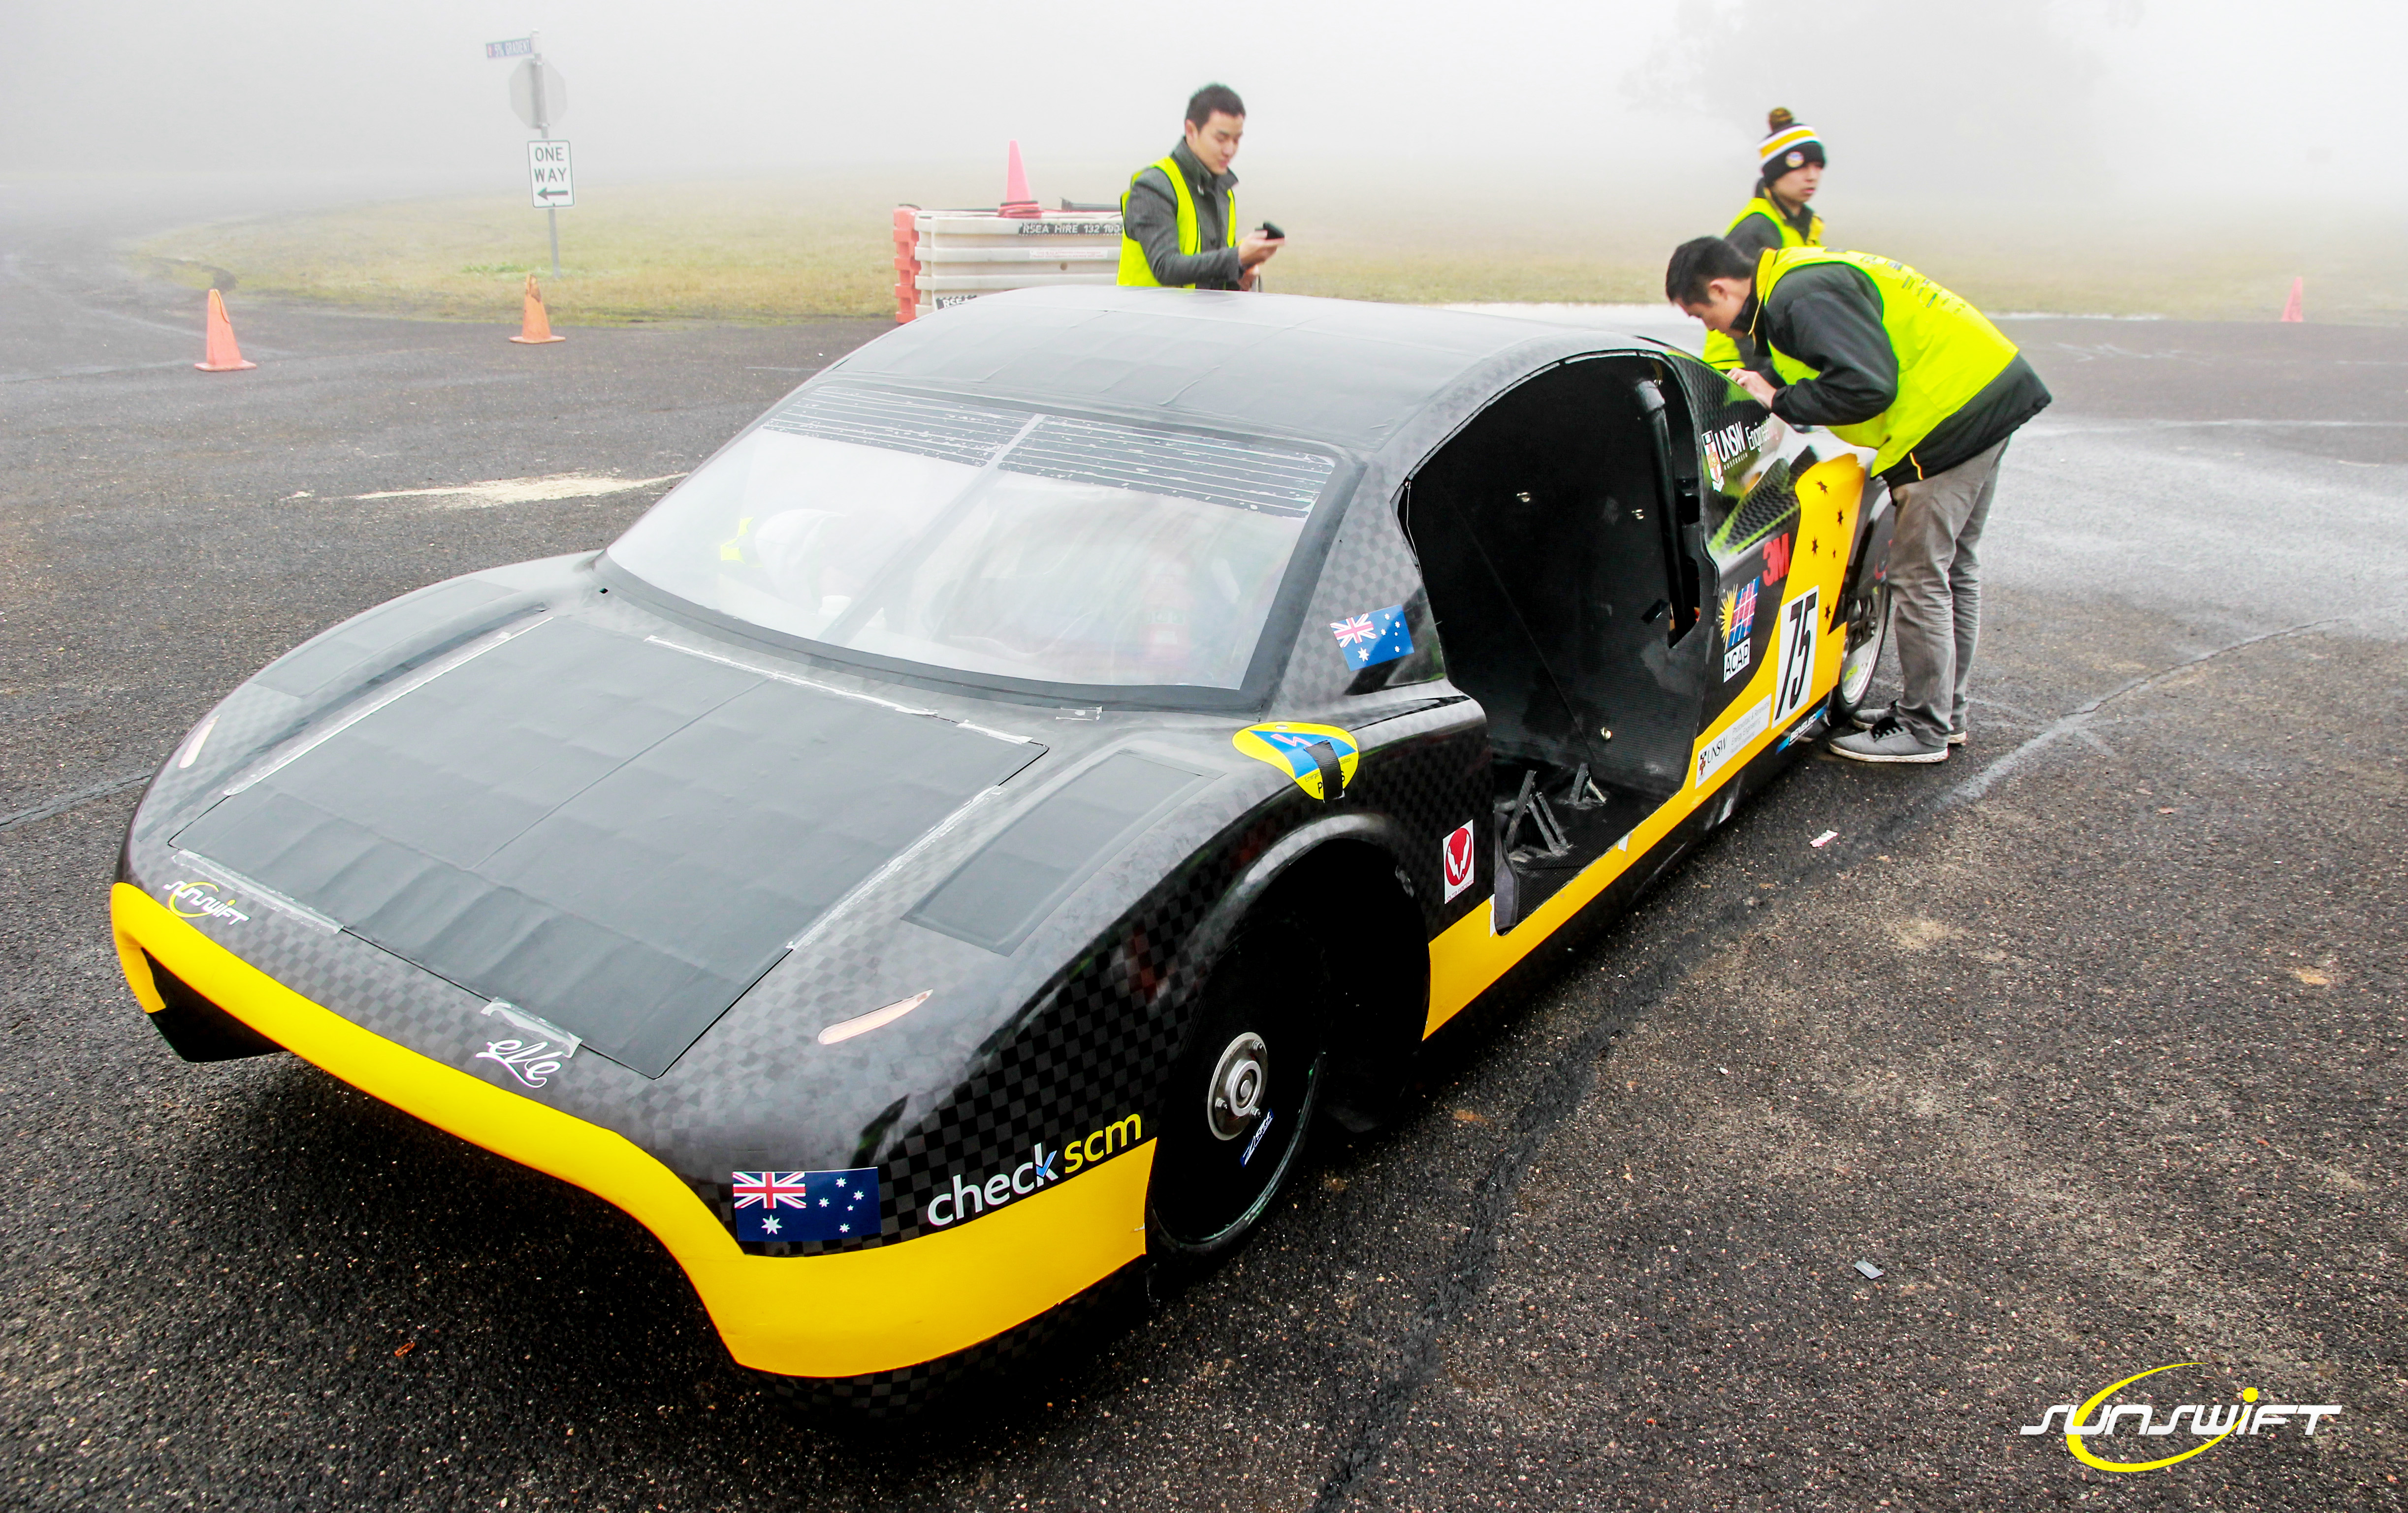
(841, 1315)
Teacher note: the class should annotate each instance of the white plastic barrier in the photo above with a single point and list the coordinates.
(962, 254)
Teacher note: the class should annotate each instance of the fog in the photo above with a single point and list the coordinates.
(2127, 97)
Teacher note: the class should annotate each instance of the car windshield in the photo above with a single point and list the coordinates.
(987, 541)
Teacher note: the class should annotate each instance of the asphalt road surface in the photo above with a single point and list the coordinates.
(2090, 1039)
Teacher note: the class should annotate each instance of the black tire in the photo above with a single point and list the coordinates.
(1867, 632)
(1218, 1169)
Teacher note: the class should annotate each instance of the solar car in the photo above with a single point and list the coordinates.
(950, 853)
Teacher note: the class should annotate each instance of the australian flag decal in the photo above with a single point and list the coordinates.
(1369, 640)
(806, 1205)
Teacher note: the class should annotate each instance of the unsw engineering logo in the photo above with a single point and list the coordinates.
(2212, 1423)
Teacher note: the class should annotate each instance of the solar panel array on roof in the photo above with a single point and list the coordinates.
(967, 434)
(1269, 479)
(1350, 372)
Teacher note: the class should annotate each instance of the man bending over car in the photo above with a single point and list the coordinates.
(1885, 359)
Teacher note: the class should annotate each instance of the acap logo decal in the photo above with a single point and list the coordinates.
(201, 899)
(1310, 754)
(2213, 1422)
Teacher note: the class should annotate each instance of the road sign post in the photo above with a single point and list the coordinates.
(541, 97)
(552, 184)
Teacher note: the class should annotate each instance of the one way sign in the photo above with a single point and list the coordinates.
(550, 182)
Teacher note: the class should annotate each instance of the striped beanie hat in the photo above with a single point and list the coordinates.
(1787, 144)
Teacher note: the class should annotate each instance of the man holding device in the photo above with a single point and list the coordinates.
(1179, 218)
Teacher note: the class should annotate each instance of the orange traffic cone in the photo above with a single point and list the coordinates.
(2292, 312)
(535, 327)
(1017, 201)
(219, 354)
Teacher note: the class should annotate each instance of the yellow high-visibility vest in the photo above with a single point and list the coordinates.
(1721, 351)
(1947, 351)
(1138, 272)
(1762, 204)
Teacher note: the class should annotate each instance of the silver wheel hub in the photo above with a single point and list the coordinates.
(1856, 669)
(1234, 1098)
(1856, 663)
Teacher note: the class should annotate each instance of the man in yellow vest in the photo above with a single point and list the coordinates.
(1179, 218)
(1790, 163)
(1889, 359)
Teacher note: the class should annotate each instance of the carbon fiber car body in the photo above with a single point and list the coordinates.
(544, 802)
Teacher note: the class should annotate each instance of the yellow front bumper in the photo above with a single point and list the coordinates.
(841, 1315)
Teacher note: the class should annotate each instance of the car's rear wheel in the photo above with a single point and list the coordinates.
(1244, 1094)
(1867, 632)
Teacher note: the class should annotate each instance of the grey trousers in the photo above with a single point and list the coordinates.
(1935, 590)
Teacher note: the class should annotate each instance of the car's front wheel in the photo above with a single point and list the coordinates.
(1244, 1094)
(1867, 632)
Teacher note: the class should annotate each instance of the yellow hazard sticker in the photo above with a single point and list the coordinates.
(1299, 751)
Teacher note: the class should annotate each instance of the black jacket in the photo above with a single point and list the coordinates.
(1152, 222)
(1828, 315)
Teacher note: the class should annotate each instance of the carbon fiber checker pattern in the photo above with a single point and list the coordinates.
(1101, 1036)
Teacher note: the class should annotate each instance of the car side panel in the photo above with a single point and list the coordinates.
(1097, 1041)
(1784, 693)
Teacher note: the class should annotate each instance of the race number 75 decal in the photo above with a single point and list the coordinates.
(1800, 623)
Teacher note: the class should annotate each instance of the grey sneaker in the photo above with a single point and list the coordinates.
(1868, 718)
(1889, 740)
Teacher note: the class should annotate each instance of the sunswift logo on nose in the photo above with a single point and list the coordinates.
(201, 899)
(2213, 1422)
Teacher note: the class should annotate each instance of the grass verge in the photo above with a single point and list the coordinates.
(778, 251)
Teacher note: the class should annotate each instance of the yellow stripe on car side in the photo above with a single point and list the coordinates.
(1829, 494)
(1469, 955)
(840, 1315)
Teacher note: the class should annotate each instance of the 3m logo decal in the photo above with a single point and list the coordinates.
(1460, 862)
(1776, 556)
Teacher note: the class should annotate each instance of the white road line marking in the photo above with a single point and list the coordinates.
(2072, 725)
(494, 492)
(2078, 428)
